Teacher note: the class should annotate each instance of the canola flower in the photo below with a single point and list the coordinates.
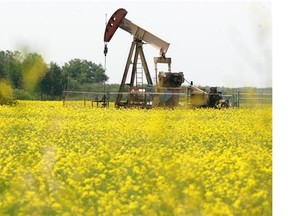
(73, 160)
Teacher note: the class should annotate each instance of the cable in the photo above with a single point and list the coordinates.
(188, 81)
(105, 53)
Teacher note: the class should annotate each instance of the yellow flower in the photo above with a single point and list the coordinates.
(74, 161)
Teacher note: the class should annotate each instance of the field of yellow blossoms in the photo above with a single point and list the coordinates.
(73, 160)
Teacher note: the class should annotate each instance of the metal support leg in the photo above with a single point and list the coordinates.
(121, 89)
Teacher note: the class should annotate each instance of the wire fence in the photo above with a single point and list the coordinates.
(251, 99)
(236, 98)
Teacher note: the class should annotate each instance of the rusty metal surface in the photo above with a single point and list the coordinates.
(114, 23)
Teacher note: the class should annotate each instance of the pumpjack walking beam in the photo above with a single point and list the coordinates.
(118, 20)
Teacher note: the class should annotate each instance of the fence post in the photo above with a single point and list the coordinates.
(238, 99)
(261, 94)
(64, 98)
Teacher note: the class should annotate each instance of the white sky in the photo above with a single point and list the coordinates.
(215, 43)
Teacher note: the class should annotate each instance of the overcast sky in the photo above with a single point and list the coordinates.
(214, 43)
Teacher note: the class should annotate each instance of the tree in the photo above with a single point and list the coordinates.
(2, 65)
(83, 71)
(29, 74)
(10, 67)
(52, 82)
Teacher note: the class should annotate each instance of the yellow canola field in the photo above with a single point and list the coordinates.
(72, 160)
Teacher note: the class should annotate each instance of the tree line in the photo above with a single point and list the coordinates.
(27, 75)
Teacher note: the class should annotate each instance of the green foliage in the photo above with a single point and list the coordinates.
(52, 82)
(79, 72)
(10, 67)
(21, 94)
(31, 76)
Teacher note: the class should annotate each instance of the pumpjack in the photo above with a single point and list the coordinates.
(167, 89)
(168, 83)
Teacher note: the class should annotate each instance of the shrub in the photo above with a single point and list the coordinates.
(21, 94)
(6, 93)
